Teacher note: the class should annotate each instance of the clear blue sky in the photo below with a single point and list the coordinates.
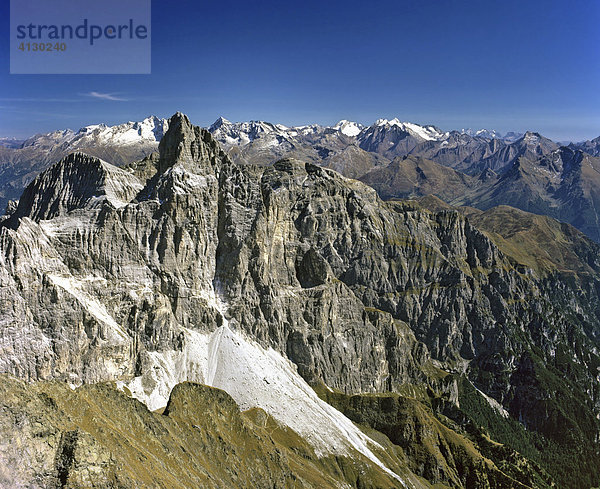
(505, 65)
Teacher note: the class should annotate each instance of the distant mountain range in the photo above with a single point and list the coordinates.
(478, 168)
(11, 143)
(592, 147)
(406, 160)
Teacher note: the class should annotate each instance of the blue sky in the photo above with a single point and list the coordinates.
(504, 65)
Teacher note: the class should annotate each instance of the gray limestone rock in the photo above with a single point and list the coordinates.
(100, 273)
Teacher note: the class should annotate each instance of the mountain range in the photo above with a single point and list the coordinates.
(121, 144)
(476, 168)
(405, 160)
(208, 317)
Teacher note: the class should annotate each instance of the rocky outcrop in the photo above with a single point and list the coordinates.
(78, 181)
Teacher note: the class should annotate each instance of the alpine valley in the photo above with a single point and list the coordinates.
(258, 306)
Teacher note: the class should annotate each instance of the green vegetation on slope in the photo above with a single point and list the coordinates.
(96, 436)
(436, 448)
(567, 461)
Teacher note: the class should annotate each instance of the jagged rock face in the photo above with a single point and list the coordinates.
(73, 184)
(531, 146)
(462, 152)
(374, 250)
(360, 294)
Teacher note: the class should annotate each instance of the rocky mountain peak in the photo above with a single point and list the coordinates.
(187, 145)
(531, 137)
(536, 139)
(348, 128)
(220, 122)
(533, 145)
(76, 181)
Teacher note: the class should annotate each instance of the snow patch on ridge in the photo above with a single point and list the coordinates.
(428, 133)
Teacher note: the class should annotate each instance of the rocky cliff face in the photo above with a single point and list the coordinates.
(208, 267)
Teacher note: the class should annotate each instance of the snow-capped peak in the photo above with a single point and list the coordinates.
(482, 133)
(428, 133)
(221, 121)
(91, 128)
(242, 133)
(147, 132)
(531, 138)
(349, 128)
(384, 122)
(151, 129)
